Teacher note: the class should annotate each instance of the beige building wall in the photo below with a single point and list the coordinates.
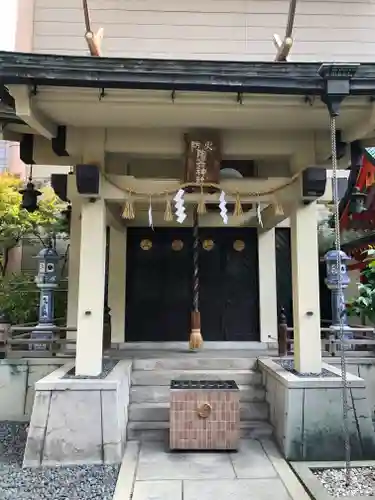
(239, 30)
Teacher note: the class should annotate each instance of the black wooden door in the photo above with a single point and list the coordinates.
(158, 290)
(284, 273)
(284, 279)
(229, 298)
(159, 284)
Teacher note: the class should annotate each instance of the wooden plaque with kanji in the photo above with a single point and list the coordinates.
(202, 157)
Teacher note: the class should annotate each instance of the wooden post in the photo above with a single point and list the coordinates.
(282, 333)
(284, 46)
(93, 40)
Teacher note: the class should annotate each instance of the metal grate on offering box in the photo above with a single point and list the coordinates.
(204, 415)
(204, 384)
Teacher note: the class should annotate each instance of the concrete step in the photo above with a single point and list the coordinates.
(195, 363)
(164, 377)
(161, 393)
(159, 431)
(159, 412)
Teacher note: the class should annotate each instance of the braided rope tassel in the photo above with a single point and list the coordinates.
(128, 212)
(238, 212)
(168, 215)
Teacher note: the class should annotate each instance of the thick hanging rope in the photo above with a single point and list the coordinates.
(205, 185)
(336, 201)
(93, 40)
(196, 262)
(196, 340)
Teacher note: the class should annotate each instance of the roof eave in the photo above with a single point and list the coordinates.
(184, 75)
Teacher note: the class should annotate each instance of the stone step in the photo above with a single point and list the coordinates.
(159, 431)
(164, 377)
(161, 393)
(195, 363)
(159, 412)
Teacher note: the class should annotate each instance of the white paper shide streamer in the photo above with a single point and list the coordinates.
(150, 220)
(179, 206)
(259, 215)
(223, 208)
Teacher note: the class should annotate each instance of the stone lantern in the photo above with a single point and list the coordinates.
(357, 202)
(47, 281)
(334, 276)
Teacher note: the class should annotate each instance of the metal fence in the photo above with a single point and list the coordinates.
(17, 342)
(361, 344)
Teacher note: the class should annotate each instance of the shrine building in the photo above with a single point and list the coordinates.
(188, 169)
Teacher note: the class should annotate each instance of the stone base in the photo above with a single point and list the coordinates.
(307, 414)
(79, 421)
(17, 381)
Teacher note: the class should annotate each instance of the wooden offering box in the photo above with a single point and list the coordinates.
(204, 415)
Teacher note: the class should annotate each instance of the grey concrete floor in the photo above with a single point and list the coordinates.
(253, 473)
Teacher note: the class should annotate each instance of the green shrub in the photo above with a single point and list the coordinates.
(364, 304)
(19, 300)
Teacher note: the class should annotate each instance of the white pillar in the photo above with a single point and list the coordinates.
(91, 288)
(117, 283)
(73, 271)
(305, 279)
(267, 286)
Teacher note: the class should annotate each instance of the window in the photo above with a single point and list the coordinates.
(342, 184)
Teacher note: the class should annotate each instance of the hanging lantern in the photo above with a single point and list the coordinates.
(357, 202)
(30, 197)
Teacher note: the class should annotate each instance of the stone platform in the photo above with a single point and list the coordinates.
(257, 472)
(307, 414)
(79, 420)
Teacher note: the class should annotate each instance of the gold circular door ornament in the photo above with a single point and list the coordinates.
(146, 244)
(204, 411)
(208, 245)
(177, 245)
(239, 245)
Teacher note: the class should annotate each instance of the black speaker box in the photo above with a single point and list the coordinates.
(27, 149)
(88, 180)
(314, 180)
(59, 183)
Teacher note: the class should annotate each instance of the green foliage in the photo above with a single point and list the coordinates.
(19, 298)
(61, 304)
(364, 304)
(17, 224)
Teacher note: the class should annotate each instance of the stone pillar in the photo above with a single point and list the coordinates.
(305, 280)
(74, 258)
(91, 288)
(117, 283)
(267, 286)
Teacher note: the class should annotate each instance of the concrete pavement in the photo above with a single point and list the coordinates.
(257, 472)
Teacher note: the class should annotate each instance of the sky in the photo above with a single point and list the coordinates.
(8, 15)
